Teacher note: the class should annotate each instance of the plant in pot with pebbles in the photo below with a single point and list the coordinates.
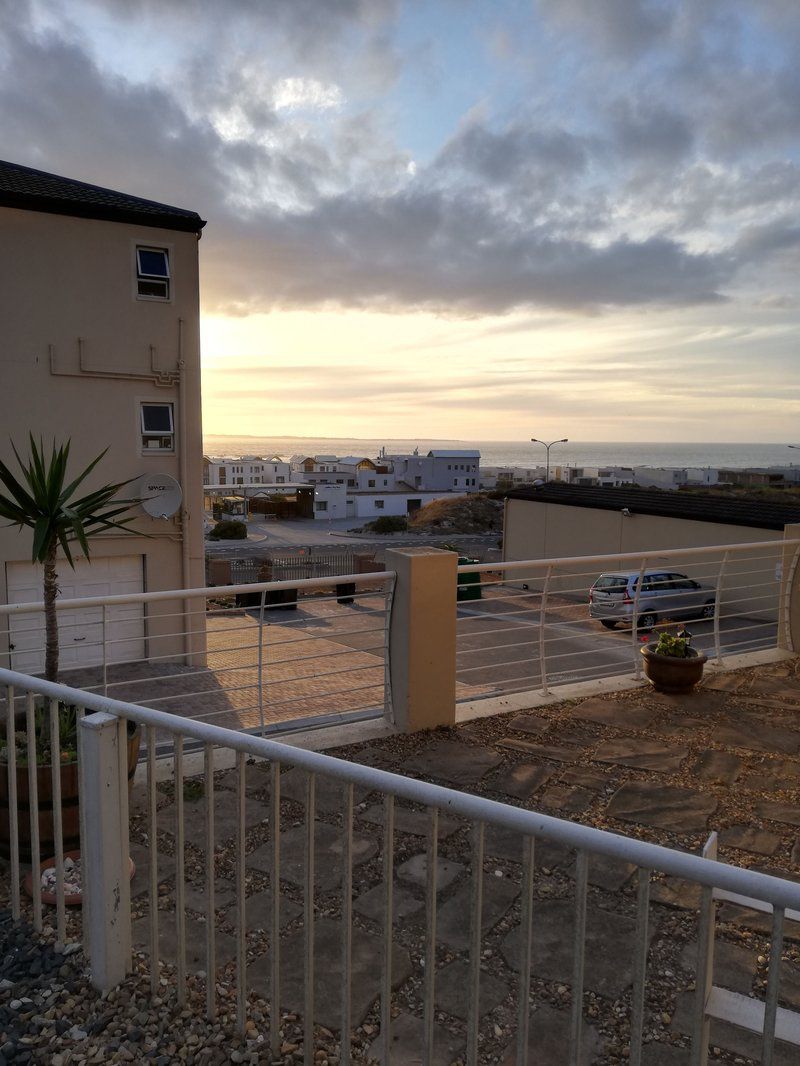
(42, 499)
(671, 664)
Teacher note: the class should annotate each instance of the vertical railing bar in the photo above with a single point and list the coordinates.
(105, 654)
(542, 642)
(526, 926)
(308, 924)
(388, 925)
(637, 659)
(388, 707)
(180, 872)
(430, 936)
(640, 966)
(241, 918)
(773, 984)
(476, 909)
(124, 832)
(275, 920)
(86, 881)
(13, 809)
(718, 608)
(347, 921)
(58, 831)
(700, 1020)
(261, 661)
(33, 801)
(211, 960)
(152, 836)
(578, 957)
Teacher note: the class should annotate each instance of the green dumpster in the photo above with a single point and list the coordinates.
(469, 585)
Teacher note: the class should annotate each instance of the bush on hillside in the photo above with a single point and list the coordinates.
(228, 529)
(388, 523)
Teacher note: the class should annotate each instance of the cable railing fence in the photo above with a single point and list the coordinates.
(276, 868)
(259, 656)
(538, 624)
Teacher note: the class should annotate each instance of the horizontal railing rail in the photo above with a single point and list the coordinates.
(208, 592)
(256, 654)
(654, 554)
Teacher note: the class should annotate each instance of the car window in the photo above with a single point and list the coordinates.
(611, 582)
(680, 581)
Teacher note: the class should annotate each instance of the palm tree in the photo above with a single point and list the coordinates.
(41, 501)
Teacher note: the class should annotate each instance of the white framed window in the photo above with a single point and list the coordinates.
(321, 505)
(157, 427)
(152, 273)
(379, 505)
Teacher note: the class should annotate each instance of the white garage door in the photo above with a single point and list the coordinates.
(81, 630)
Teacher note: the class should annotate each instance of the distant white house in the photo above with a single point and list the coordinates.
(441, 470)
(246, 470)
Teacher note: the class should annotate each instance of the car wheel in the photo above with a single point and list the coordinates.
(708, 610)
(647, 621)
(608, 623)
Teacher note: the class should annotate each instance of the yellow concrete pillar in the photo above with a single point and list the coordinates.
(422, 638)
(789, 605)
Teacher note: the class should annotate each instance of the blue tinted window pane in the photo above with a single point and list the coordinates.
(153, 264)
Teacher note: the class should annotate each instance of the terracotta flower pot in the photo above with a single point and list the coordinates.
(70, 814)
(666, 673)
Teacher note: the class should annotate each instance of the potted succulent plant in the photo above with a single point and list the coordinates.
(671, 664)
(45, 501)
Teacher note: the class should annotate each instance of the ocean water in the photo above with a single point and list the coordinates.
(522, 453)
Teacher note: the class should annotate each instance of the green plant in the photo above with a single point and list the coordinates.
(193, 788)
(227, 529)
(44, 502)
(67, 737)
(675, 647)
(388, 523)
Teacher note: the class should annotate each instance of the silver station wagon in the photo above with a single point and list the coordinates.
(664, 594)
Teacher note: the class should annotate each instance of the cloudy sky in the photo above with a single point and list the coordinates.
(445, 218)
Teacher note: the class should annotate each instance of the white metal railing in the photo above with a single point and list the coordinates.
(104, 818)
(252, 656)
(534, 627)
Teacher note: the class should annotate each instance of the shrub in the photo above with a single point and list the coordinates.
(388, 523)
(228, 529)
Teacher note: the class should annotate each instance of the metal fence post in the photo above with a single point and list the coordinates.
(105, 852)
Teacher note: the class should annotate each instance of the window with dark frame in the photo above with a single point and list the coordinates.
(152, 273)
(158, 427)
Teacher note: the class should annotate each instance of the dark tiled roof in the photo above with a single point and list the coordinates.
(36, 190)
(699, 507)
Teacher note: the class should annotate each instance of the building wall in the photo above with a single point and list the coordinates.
(80, 353)
(549, 531)
(367, 504)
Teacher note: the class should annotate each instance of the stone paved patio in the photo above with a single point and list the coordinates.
(665, 769)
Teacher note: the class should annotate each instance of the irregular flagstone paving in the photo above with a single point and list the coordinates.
(641, 754)
(609, 946)
(664, 769)
(546, 1043)
(663, 806)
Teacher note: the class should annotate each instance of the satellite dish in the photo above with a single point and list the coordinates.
(160, 494)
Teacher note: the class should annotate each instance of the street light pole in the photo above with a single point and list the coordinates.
(564, 440)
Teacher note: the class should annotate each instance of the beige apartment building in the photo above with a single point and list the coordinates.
(99, 305)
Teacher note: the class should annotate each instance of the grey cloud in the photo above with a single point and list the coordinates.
(505, 218)
(619, 27)
(644, 129)
(518, 152)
